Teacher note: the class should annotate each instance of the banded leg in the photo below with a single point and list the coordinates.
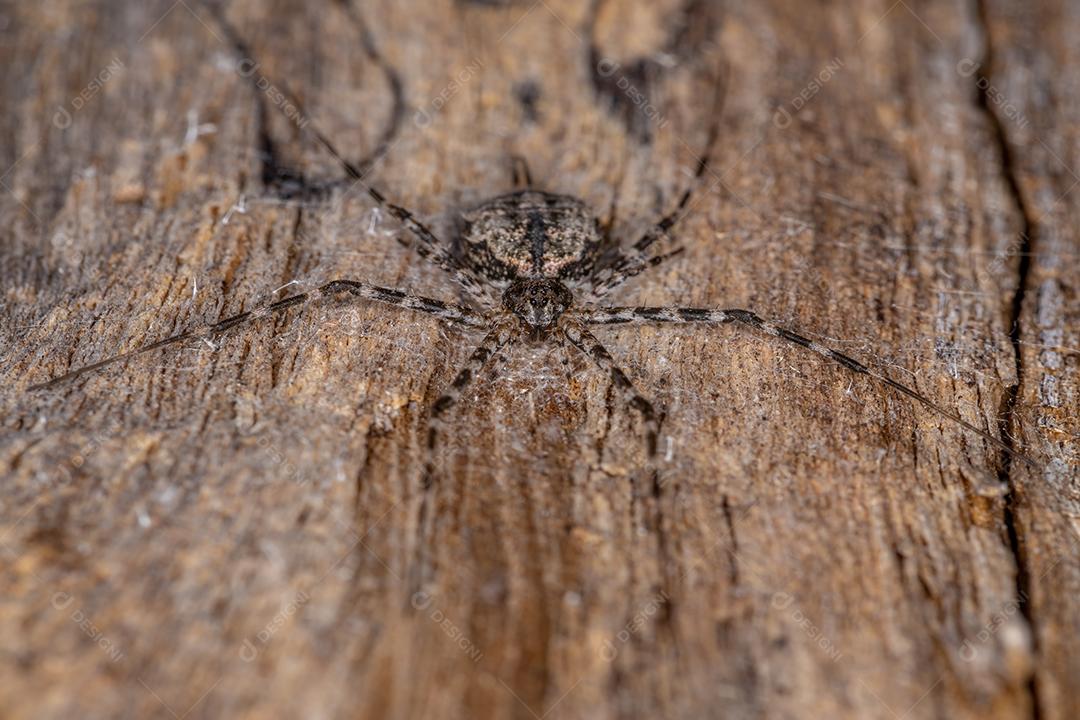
(390, 296)
(502, 334)
(666, 223)
(626, 268)
(428, 245)
(635, 263)
(431, 249)
(521, 177)
(623, 315)
(586, 342)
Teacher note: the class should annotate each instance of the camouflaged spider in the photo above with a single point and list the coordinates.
(528, 256)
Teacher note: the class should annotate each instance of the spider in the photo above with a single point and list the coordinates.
(537, 262)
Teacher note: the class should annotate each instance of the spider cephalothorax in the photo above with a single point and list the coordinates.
(538, 302)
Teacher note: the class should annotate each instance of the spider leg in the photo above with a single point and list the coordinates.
(390, 296)
(624, 315)
(630, 264)
(428, 245)
(502, 333)
(580, 337)
(519, 169)
(442, 259)
(624, 269)
(660, 228)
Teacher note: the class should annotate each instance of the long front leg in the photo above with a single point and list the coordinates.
(427, 245)
(366, 291)
(637, 258)
(625, 315)
(662, 227)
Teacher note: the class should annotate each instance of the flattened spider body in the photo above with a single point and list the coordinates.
(527, 243)
(522, 256)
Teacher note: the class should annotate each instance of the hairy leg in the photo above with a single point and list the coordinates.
(624, 315)
(427, 245)
(580, 337)
(366, 291)
(502, 333)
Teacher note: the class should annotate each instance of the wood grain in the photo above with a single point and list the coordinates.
(239, 529)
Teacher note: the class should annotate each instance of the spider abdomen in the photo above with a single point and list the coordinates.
(529, 235)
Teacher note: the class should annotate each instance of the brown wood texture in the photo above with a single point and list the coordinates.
(239, 529)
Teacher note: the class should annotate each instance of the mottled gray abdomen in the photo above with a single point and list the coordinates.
(529, 234)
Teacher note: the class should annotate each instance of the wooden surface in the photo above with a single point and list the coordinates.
(236, 531)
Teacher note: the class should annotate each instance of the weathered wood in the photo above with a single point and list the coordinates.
(241, 530)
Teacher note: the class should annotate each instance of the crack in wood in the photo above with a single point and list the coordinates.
(1009, 422)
